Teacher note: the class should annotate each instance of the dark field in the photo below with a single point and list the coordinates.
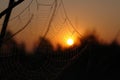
(90, 60)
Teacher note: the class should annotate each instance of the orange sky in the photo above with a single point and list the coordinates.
(101, 15)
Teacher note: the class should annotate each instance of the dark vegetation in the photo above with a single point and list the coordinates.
(90, 60)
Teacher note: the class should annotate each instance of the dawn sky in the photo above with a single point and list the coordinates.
(101, 15)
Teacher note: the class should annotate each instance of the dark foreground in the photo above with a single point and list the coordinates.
(91, 60)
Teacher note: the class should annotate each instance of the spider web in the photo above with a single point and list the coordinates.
(52, 65)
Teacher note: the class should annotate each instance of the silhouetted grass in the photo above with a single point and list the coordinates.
(91, 59)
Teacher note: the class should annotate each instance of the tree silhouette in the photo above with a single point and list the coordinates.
(9, 46)
(44, 46)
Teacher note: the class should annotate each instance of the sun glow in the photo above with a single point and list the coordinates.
(70, 41)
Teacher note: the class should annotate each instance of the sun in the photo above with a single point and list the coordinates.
(70, 41)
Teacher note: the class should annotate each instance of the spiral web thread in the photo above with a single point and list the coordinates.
(54, 64)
